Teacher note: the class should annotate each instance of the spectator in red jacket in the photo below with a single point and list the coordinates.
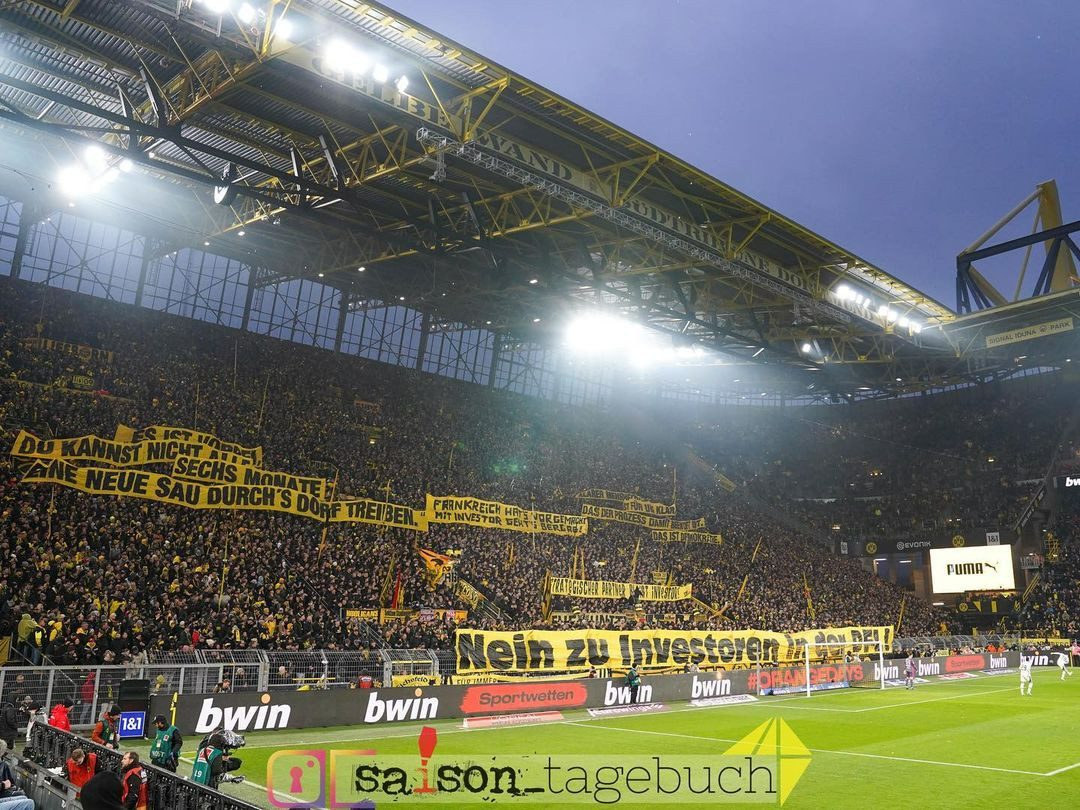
(86, 695)
(59, 717)
(80, 767)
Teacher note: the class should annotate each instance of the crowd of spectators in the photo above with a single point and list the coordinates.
(900, 469)
(1052, 607)
(99, 579)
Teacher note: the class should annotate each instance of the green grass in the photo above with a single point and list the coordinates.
(963, 744)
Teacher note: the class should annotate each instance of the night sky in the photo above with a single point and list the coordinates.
(901, 130)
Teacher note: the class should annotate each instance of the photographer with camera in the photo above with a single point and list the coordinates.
(214, 760)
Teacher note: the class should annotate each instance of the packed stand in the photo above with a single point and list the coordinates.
(95, 580)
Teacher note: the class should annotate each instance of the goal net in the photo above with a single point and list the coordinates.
(824, 666)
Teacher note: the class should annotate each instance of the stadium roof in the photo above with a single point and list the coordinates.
(340, 135)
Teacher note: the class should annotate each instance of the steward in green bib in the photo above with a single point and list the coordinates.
(207, 761)
(633, 680)
(165, 751)
(213, 760)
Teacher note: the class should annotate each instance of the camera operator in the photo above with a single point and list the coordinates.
(214, 760)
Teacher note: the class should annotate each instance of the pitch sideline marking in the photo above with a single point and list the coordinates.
(765, 701)
(288, 797)
(823, 750)
(930, 700)
(1062, 770)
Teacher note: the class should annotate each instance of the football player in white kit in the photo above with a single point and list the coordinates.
(1062, 660)
(1025, 673)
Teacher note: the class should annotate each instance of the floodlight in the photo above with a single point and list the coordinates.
(338, 56)
(891, 315)
(284, 29)
(806, 347)
(883, 310)
(381, 73)
(402, 83)
(95, 156)
(126, 165)
(902, 322)
(73, 181)
(246, 14)
(216, 6)
(689, 352)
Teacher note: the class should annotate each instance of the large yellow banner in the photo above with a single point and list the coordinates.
(193, 495)
(378, 513)
(495, 515)
(628, 501)
(649, 507)
(166, 489)
(649, 521)
(160, 432)
(601, 589)
(563, 650)
(596, 494)
(591, 510)
(219, 471)
(686, 536)
(107, 451)
(80, 350)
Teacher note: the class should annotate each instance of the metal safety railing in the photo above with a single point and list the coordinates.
(955, 642)
(93, 689)
(50, 748)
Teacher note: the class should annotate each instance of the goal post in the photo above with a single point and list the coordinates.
(843, 664)
(818, 666)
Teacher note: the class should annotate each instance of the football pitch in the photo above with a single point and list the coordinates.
(965, 743)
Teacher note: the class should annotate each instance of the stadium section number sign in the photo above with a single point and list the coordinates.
(972, 568)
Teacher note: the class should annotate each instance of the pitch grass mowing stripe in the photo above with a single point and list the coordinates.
(965, 727)
(599, 727)
(890, 705)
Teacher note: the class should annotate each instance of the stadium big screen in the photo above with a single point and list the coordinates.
(972, 568)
